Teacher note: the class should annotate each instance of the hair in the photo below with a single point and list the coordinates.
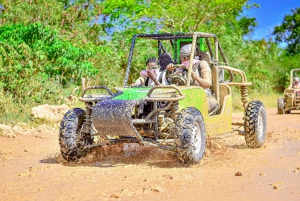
(296, 79)
(151, 60)
(165, 59)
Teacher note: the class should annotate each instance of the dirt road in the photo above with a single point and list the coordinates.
(31, 168)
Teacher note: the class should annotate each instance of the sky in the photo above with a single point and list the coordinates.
(270, 14)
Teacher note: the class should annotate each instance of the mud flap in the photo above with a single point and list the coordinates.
(113, 117)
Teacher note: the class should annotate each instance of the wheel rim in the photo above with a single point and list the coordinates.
(196, 136)
(260, 125)
(280, 104)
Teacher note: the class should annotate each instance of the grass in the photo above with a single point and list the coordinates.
(13, 113)
(22, 113)
(269, 99)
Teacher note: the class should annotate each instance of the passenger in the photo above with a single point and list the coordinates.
(202, 78)
(296, 85)
(150, 76)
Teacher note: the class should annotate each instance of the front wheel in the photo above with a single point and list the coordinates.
(71, 138)
(255, 124)
(190, 136)
(280, 105)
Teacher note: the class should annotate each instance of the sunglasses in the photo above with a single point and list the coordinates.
(152, 67)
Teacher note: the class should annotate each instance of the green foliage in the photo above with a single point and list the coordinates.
(47, 12)
(247, 25)
(56, 42)
(31, 55)
(10, 111)
(282, 67)
(289, 32)
(189, 16)
(269, 99)
(260, 79)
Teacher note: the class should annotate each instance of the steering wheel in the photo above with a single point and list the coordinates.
(178, 80)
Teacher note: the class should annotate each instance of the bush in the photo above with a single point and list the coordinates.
(31, 56)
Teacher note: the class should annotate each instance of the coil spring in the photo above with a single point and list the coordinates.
(87, 118)
(174, 108)
(244, 95)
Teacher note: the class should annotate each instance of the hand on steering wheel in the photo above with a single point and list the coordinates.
(170, 67)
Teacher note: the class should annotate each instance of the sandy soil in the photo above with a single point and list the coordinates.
(31, 168)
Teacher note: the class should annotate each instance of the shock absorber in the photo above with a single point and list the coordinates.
(174, 109)
(87, 120)
(86, 128)
(244, 95)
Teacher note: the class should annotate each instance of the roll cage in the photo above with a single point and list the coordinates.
(199, 40)
(194, 38)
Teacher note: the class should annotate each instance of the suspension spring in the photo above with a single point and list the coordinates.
(174, 109)
(244, 95)
(88, 118)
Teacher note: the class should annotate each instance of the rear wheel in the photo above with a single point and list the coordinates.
(280, 105)
(71, 139)
(255, 124)
(190, 137)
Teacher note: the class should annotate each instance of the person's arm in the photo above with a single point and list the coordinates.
(139, 81)
(170, 67)
(152, 76)
(205, 80)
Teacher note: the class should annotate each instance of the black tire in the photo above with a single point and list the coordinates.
(255, 124)
(69, 134)
(190, 136)
(280, 105)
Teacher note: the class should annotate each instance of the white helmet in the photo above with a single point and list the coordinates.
(185, 51)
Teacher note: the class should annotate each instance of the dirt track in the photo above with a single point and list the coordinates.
(31, 168)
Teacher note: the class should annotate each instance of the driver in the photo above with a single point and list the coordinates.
(201, 75)
(296, 85)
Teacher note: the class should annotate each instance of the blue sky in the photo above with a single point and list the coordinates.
(270, 14)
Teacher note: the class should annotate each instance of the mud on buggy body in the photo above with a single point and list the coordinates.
(170, 117)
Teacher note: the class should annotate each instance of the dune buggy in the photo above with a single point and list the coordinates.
(291, 99)
(172, 117)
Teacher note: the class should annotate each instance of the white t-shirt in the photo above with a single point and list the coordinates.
(163, 80)
(142, 80)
